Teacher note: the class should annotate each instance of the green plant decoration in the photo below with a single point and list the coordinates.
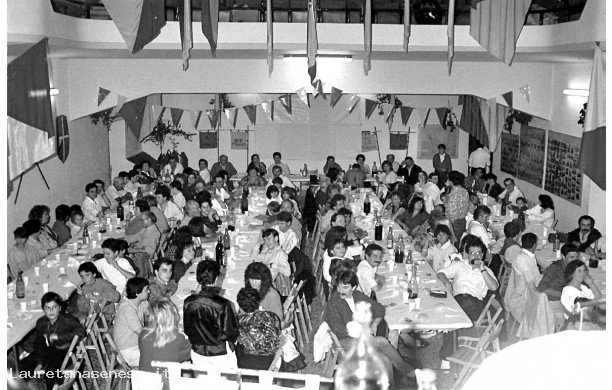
(518, 117)
(450, 120)
(225, 102)
(386, 99)
(583, 112)
(163, 129)
(105, 117)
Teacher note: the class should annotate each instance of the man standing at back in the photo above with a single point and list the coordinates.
(479, 158)
(278, 163)
(442, 164)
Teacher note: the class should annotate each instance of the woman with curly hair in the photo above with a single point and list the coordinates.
(253, 178)
(48, 238)
(258, 276)
(543, 213)
(260, 332)
(414, 217)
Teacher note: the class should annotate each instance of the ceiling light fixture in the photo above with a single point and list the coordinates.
(321, 58)
(576, 92)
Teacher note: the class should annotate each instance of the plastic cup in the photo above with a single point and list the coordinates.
(57, 257)
(394, 279)
(45, 287)
(9, 295)
(411, 306)
(62, 270)
(94, 244)
(417, 303)
(24, 306)
(37, 271)
(25, 280)
(405, 296)
(99, 236)
(108, 221)
(110, 228)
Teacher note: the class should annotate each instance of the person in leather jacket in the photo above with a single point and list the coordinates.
(210, 322)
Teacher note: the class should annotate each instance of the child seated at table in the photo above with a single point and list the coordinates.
(21, 256)
(76, 223)
(273, 195)
(114, 268)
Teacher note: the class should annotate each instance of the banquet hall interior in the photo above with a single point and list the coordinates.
(316, 194)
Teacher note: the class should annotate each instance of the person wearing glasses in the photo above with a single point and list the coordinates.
(469, 281)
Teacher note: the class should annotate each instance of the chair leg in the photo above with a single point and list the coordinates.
(307, 314)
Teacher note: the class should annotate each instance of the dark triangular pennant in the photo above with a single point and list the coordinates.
(251, 111)
(318, 89)
(441, 112)
(286, 102)
(336, 94)
(176, 114)
(63, 138)
(102, 94)
(195, 118)
(370, 106)
(133, 113)
(405, 112)
(508, 98)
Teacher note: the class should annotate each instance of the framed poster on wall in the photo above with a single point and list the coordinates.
(532, 146)
(563, 178)
(510, 144)
(430, 136)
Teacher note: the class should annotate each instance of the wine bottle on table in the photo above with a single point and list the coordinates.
(120, 214)
(413, 284)
(367, 205)
(20, 287)
(378, 228)
(220, 251)
(86, 238)
(399, 253)
(390, 238)
(231, 220)
(226, 240)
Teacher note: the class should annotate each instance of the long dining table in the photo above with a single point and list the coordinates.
(59, 271)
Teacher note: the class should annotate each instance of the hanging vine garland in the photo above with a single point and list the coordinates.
(518, 117)
(386, 99)
(450, 120)
(163, 129)
(583, 112)
(105, 117)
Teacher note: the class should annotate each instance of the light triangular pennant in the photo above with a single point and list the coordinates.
(213, 118)
(120, 102)
(318, 89)
(268, 108)
(370, 106)
(303, 95)
(353, 100)
(232, 115)
(251, 111)
(424, 114)
(102, 94)
(405, 112)
(158, 112)
(390, 116)
(195, 117)
(526, 93)
(286, 102)
(336, 94)
(176, 114)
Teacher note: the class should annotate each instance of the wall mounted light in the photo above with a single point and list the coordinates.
(321, 58)
(53, 92)
(576, 92)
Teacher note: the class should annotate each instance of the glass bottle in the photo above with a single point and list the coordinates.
(244, 202)
(378, 228)
(374, 168)
(139, 193)
(231, 220)
(399, 253)
(85, 235)
(363, 367)
(131, 206)
(120, 215)
(390, 238)
(226, 240)
(367, 205)
(413, 284)
(20, 287)
(220, 251)
(305, 170)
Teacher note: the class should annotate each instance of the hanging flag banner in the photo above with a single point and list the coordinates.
(370, 106)
(270, 37)
(286, 102)
(195, 117)
(268, 108)
(336, 94)
(450, 32)
(102, 94)
(405, 112)
(120, 102)
(63, 138)
(508, 98)
(251, 111)
(186, 31)
(368, 141)
(240, 140)
(390, 115)
(318, 88)
(303, 95)
(398, 141)
(353, 100)
(526, 93)
(367, 37)
(213, 118)
(158, 112)
(312, 43)
(176, 114)
(132, 113)
(424, 114)
(210, 23)
(406, 24)
(232, 115)
(209, 139)
(441, 112)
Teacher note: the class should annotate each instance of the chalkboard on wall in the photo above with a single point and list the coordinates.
(531, 158)
(563, 178)
(509, 153)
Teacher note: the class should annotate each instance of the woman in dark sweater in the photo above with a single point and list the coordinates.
(161, 339)
(414, 217)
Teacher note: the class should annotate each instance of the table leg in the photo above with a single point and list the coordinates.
(16, 353)
(394, 338)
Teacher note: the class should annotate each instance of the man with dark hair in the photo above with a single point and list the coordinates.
(479, 159)
(223, 165)
(279, 173)
(161, 284)
(510, 194)
(134, 222)
(91, 208)
(173, 167)
(336, 202)
(553, 279)
(331, 163)
(102, 199)
(511, 247)
(210, 322)
(369, 281)
(409, 170)
(288, 238)
(272, 255)
(62, 215)
(162, 222)
(278, 163)
(112, 266)
(176, 190)
(492, 187)
(362, 165)
(442, 164)
(164, 201)
(475, 182)
(586, 236)
(354, 177)
(129, 320)
(479, 226)
(456, 201)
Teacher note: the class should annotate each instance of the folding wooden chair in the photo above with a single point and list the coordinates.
(332, 357)
(469, 357)
(116, 365)
(71, 379)
(73, 361)
(274, 366)
(93, 341)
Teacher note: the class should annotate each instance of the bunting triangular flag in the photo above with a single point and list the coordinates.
(102, 94)
(353, 100)
(195, 117)
(526, 93)
(158, 112)
(370, 105)
(213, 118)
(176, 114)
(508, 98)
(251, 111)
(120, 102)
(390, 116)
(336, 94)
(268, 108)
(405, 112)
(232, 115)
(318, 88)
(210, 23)
(132, 113)
(286, 102)
(441, 112)
(303, 95)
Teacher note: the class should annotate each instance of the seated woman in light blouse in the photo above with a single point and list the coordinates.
(387, 178)
(579, 285)
(543, 213)
(394, 207)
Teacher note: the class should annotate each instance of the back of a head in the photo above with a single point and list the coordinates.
(151, 200)
(511, 229)
(284, 216)
(248, 299)
(207, 272)
(529, 240)
(134, 286)
(32, 226)
(456, 177)
(62, 212)
(142, 205)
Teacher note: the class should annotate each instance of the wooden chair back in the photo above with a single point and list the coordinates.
(71, 380)
(331, 360)
(116, 364)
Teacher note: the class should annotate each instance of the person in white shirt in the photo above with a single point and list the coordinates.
(173, 167)
(479, 158)
(394, 164)
(387, 179)
(275, 258)
(204, 172)
(510, 194)
(543, 213)
(113, 268)
(177, 196)
(277, 171)
(116, 192)
(91, 208)
(219, 191)
(580, 284)
(277, 163)
(287, 237)
(102, 199)
(439, 254)
(479, 226)
(132, 185)
(171, 211)
(369, 281)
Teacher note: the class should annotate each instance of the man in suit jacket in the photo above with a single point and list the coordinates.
(442, 164)
(409, 170)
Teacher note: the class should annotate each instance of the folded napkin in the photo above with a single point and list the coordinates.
(69, 285)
